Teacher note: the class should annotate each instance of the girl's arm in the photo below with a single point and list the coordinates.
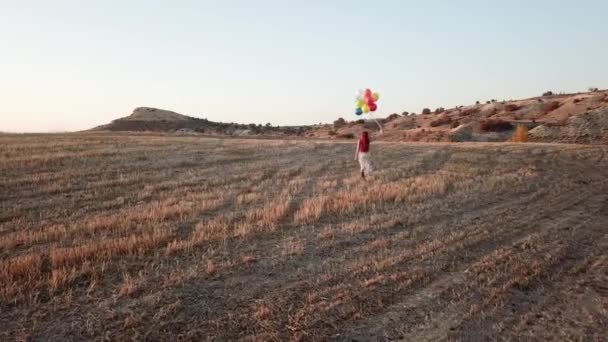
(357, 151)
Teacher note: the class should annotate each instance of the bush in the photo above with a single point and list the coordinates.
(426, 111)
(469, 111)
(520, 135)
(548, 93)
(487, 102)
(441, 121)
(360, 121)
(346, 136)
(511, 107)
(439, 110)
(577, 100)
(391, 117)
(477, 102)
(593, 89)
(455, 124)
(332, 133)
(495, 125)
(339, 123)
(550, 106)
(461, 134)
(405, 113)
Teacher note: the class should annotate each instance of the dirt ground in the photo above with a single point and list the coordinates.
(121, 237)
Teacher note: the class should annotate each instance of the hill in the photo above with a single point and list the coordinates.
(573, 118)
(160, 120)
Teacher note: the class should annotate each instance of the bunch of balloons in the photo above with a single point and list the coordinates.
(365, 101)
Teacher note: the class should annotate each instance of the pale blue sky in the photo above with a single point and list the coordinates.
(70, 65)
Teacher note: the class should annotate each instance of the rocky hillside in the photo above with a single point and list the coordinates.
(159, 120)
(578, 118)
(573, 118)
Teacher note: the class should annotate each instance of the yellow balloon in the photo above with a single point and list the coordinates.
(365, 108)
(375, 96)
(360, 103)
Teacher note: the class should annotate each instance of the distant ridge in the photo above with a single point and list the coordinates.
(161, 120)
(569, 118)
(154, 114)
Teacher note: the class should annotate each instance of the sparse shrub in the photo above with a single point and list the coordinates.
(441, 121)
(426, 111)
(339, 123)
(577, 100)
(455, 124)
(548, 93)
(346, 136)
(520, 135)
(491, 112)
(469, 111)
(332, 133)
(487, 102)
(511, 107)
(477, 102)
(405, 113)
(391, 117)
(461, 134)
(360, 122)
(439, 110)
(550, 106)
(593, 89)
(495, 125)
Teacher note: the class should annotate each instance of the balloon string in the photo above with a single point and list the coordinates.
(377, 123)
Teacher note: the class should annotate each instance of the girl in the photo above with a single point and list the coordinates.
(362, 154)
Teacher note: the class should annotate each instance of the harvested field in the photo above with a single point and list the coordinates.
(151, 237)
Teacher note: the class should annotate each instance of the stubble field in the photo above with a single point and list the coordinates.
(149, 237)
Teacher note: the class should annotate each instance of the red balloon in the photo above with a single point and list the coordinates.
(373, 107)
(369, 101)
(367, 93)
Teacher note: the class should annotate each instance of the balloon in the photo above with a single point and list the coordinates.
(365, 101)
(369, 101)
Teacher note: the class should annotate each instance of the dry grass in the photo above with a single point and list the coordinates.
(115, 236)
(520, 135)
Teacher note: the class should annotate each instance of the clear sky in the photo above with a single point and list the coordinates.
(70, 65)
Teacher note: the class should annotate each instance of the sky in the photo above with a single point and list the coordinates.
(73, 65)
